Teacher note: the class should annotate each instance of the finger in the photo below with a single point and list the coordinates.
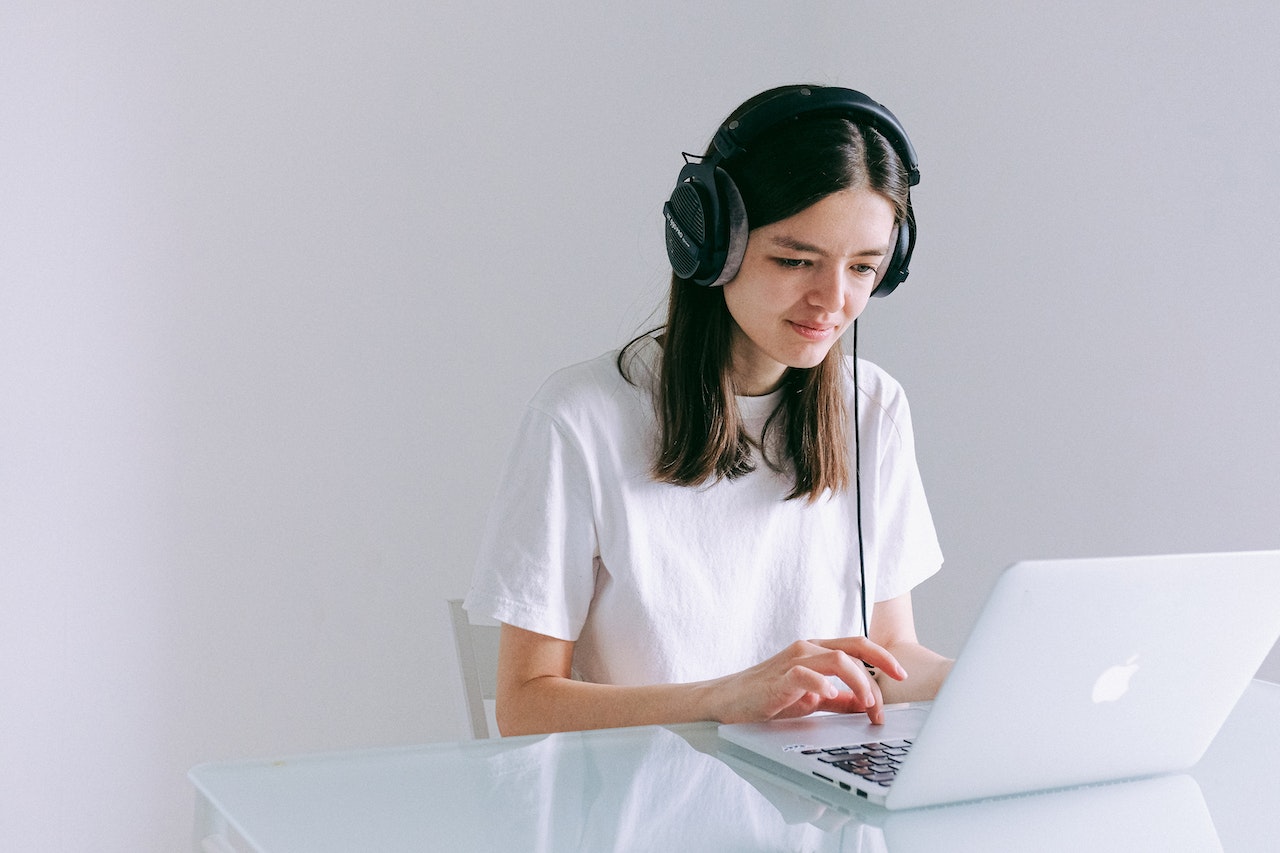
(868, 697)
(846, 701)
(839, 665)
(875, 711)
(805, 679)
(864, 649)
(850, 702)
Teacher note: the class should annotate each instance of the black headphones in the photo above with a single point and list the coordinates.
(706, 222)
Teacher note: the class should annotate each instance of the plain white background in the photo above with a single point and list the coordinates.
(276, 280)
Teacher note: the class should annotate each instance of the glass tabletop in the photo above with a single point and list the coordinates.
(667, 789)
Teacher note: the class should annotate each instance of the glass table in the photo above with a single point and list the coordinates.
(670, 788)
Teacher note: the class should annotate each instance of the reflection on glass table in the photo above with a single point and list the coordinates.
(666, 789)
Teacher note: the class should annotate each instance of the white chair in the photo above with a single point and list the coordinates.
(477, 644)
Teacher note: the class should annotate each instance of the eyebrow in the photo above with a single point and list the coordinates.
(785, 242)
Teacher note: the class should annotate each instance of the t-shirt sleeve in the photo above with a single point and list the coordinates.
(906, 542)
(536, 567)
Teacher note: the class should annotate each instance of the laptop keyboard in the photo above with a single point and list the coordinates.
(874, 762)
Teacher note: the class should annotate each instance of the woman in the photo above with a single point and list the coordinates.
(677, 517)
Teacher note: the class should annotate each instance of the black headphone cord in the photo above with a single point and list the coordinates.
(857, 480)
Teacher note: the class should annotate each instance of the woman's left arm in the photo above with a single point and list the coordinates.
(893, 626)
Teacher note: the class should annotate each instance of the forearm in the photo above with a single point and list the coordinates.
(792, 683)
(552, 703)
(536, 694)
(926, 670)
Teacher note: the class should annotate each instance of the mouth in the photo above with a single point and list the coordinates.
(815, 332)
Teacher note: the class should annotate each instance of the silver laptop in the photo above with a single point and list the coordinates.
(1076, 672)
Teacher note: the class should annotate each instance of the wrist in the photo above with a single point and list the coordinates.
(706, 704)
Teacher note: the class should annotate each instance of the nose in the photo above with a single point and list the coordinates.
(830, 291)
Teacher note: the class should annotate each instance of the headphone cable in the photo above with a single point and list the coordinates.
(857, 479)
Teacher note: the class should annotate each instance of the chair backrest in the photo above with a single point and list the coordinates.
(477, 644)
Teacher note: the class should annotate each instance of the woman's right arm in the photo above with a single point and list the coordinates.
(536, 692)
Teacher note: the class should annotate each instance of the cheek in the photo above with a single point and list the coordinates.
(758, 294)
(859, 303)
(744, 304)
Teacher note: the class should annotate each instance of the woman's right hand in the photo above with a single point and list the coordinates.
(797, 681)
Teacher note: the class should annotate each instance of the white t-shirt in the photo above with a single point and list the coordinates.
(669, 584)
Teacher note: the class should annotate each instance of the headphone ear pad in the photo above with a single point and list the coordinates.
(736, 228)
(896, 271)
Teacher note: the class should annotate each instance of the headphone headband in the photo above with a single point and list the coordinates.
(706, 223)
(735, 135)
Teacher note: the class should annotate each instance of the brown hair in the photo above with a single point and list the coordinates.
(701, 435)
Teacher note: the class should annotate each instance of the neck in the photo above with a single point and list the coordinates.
(753, 375)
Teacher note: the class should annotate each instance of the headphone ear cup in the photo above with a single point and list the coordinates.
(897, 270)
(696, 228)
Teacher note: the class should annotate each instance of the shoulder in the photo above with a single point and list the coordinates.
(597, 386)
(878, 392)
(873, 381)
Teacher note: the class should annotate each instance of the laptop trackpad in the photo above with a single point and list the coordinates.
(902, 721)
(827, 730)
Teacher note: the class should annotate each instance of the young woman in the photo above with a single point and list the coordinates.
(724, 520)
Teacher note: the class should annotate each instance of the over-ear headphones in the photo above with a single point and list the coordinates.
(706, 222)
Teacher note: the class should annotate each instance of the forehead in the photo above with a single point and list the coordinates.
(850, 222)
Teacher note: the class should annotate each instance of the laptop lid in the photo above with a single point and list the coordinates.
(1076, 672)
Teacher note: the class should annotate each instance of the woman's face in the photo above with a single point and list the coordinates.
(803, 281)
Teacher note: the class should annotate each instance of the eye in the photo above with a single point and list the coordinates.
(864, 269)
(791, 263)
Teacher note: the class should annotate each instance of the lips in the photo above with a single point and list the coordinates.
(813, 332)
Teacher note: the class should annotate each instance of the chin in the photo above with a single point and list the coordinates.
(808, 360)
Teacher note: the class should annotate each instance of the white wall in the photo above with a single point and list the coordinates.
(276, 278)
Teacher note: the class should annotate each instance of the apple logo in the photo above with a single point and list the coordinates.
(1114, 681)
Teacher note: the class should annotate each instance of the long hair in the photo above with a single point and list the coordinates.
(701, 434)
